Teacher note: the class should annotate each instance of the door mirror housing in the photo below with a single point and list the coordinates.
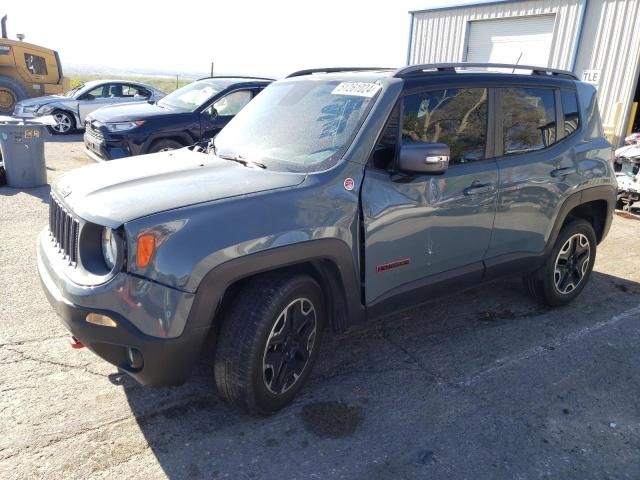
(426, 158)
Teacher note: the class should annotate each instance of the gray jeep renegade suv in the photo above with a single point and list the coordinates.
(337, 195)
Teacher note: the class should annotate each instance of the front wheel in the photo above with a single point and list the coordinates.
(568, 268)
(64, 123)
(164, 146)
(269, 341)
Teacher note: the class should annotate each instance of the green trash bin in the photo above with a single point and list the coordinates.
(22, 145)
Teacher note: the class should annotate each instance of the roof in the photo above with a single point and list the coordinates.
(462, 5)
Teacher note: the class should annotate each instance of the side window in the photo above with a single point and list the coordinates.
(99, 92)
(35, 64)
(234, 102)
(130, 91)
(455, 116)
(529, 119)
(570, 110)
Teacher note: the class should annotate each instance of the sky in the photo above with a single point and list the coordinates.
(241, 37)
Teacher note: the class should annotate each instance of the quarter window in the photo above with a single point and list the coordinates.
(529, 119)
(455, 116)
(570, 110)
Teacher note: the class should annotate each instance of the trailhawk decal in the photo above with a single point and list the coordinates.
(395, 264)
(357, 89)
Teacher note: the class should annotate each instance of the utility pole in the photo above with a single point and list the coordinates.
(211, 70)
(177, 81)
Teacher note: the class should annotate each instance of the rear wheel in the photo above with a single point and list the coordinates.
(164, 146)
(568, 267)
(269, 341)
(11, 92)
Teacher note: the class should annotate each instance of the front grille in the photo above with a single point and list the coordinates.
(94, 131)
(64, 230)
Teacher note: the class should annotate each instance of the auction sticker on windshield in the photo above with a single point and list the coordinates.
(358, 89)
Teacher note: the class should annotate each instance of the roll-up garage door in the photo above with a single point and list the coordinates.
(506, 40)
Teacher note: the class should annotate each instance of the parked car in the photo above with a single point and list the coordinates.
(331, 199)
(191, 114)
(70, 108)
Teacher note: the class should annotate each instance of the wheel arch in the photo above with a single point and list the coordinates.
(328, 261)
(182, 138)
(595, 204)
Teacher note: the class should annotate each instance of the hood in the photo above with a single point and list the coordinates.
(39, 101)
(116, 192)
(132, 112)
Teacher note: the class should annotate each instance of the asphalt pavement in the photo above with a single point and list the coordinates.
(483, 384)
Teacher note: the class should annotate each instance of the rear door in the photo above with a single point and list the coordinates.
(537, 165)
(420, 229)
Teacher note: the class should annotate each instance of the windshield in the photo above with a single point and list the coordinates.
(71, 92)
(190, 97)
(299, 126)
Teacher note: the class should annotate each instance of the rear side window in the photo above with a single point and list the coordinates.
(570, 110)
(529, 119)
(455, 116)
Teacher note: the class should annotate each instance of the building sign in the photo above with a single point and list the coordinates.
(591, 76)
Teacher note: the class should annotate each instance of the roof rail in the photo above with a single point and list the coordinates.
(413, 70)
(237, 76)
(309, 71)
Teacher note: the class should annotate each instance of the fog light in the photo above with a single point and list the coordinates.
(102, 320)
(135, 358)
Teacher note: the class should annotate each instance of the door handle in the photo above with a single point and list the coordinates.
(477, 188)
(561, 172)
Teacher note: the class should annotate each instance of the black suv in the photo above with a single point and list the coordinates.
(193, 113)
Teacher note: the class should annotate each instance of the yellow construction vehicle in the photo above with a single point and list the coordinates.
(27, 70)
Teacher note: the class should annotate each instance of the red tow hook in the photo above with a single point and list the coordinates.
(75, 343)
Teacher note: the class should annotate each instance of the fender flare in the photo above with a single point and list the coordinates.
(608, 193)
(217, 281)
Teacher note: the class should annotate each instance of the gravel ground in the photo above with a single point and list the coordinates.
(481, 385)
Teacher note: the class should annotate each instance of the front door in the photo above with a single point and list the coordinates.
(421, 227)
(98, 97)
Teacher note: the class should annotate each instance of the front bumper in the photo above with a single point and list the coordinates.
(100, 149)
(151, 360)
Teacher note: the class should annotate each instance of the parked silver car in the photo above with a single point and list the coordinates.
(70, 108)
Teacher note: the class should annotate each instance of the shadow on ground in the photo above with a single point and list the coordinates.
(482, 384)
(41, 193)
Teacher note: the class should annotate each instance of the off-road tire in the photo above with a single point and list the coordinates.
(541, 284)
(15, 89)
(245, 332)
(164, 145)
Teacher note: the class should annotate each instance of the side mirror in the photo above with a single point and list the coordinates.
(428, 158)
(87, 96)
(213, 114)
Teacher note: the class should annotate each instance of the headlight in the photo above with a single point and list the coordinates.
(43, 110)
(109, 248)
(123, 126)
(28, 109)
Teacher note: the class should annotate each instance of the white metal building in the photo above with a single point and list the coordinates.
(599, 40)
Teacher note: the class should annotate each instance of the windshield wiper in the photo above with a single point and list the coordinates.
(241, 160)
